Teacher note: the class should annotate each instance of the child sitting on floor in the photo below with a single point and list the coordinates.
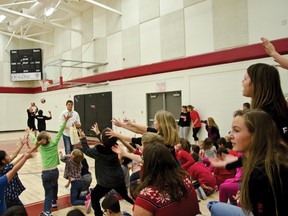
(198, 171)
(183, 154)
(73, 174)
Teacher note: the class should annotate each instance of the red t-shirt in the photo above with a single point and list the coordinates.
(161, 204)
(194, 115)
(200, 172)
(185, 159)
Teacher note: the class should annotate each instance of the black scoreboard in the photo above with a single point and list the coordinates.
(26, 64)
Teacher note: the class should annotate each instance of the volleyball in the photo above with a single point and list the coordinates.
(43, 100)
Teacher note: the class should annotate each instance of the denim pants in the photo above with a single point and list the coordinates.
(67, 144)
(225, 209)
(50, 184)
(75, 190)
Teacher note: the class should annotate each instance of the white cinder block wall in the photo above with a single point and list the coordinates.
(144, 35)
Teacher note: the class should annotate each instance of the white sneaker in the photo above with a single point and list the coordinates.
(201, 193)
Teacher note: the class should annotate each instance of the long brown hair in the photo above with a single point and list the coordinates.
(267, 89)
(161, 170)
(266, 149)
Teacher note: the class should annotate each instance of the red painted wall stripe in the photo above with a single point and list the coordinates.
(238, 54)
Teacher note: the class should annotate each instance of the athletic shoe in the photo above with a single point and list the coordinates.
(201, 193)
(54, 204)
(88, 206)
(45, 214)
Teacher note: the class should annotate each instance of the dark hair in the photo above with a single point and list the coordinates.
(185, 107)
(75, 212)
(125, 161)
(207, 143)
(110, 202)
(161, 169)
(133, 189)
(229, 145)
(40, 112)
(2, 157)
(108, 141)
(247, 105)
(220, 151)
(190, 107)
(185, 144)
(16, 210)
(195, 156)
(195, 148)
(69, 101)
(221, 140)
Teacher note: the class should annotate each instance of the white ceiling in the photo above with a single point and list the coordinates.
(25, 19)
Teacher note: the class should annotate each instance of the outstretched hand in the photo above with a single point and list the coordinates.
(111, 133)
(81, 133)
(268, 46)
(222, 163)
(67, 117)
(116, 122)
(95, 128)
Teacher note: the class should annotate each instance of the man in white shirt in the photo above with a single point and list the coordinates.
(75, 119)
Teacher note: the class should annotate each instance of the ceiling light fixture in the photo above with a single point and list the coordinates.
(2, 18)
(49, 11)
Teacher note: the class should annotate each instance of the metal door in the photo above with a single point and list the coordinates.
(170, 101)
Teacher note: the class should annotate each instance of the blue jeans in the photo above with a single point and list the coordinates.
(50, 184)
(76, 188)
(225, 209)
(67, 144)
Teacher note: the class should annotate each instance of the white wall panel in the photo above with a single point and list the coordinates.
(168, 6)
(99, 22)
(267, 18)
(199, 28)
(191, 2)
(131, 47)
(230, 22)
(130, 13)
(148, 10)
(87, 26)
(113, 20)
(100, 52)
(75, 36)
(172, 35)
(114, 52)
(150, 42)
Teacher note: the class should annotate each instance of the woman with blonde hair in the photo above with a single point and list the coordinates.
(213, 130)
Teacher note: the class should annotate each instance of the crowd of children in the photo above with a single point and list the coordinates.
(165, 157)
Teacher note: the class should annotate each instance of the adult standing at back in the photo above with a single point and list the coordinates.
(195, 122)
(184, 123)
(74, 120)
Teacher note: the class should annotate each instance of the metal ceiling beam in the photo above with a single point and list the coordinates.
(17, 13)
(26, 38)
(18, 3)
(104, 6)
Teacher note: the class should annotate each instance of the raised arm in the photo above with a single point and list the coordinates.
(271, 51)
(131, 126)
(112, 133)
(23, 141)
(18, 166)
